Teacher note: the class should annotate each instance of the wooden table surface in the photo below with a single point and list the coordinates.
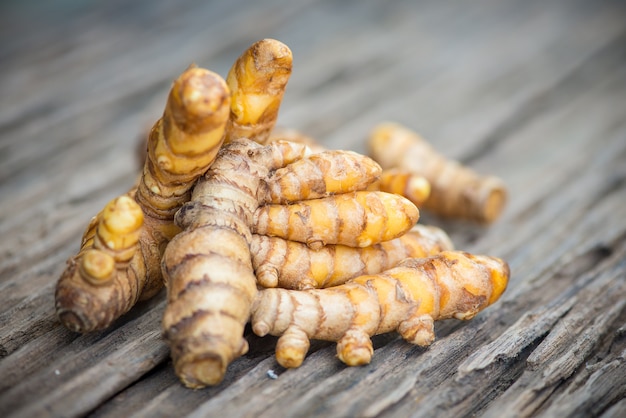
(531, 91)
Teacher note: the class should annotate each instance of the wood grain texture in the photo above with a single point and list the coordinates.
(531, 91)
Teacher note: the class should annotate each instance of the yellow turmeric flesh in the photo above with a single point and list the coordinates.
(181, 146)
(293, 265)
(257, 81)
(357, 219)
(406, 299)
(456, 191)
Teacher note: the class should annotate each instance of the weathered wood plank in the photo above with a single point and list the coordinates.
(534, 89)
(81, 380)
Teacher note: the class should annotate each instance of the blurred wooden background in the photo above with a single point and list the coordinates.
(531, 91)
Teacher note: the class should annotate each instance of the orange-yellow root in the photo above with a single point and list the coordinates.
(357, 219)
(414, 187)
(181, 146)
(293, 265)
(257, 83)
(208, 268)
(406, 299)
(456, 191)
(320, 175)
(103, 279)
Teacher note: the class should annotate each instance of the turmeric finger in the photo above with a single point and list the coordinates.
(357, 219)
(414, 187)
(293, 265)
(456, 191)
(208, 268)
(184, 142)
(181, 146)
(103, 280)
(406, 298)
(320, 175)
(257, 81)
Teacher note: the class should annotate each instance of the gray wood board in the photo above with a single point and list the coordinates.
(531, 91)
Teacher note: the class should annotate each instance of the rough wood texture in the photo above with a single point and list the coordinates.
(531, 91)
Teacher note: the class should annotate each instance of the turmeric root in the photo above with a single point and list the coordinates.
(105, 269)
(320, 174)
(407, 298)
(180, 147)
(293, 265)
(257, 82)
(414, 187)
(456, 191)
(357, 219)
(208, 268)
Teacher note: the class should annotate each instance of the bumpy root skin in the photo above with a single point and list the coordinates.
(103, 280)
(357, 219)
(291, 348)
(184, 142)
(257, 81)
(90, 293)
(208, 268)
(355, 348)
(293, 265)
(407, 299)
(456, 191)
(319, 175)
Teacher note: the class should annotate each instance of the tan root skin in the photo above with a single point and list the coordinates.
(208, 268)
(456, 191)
(406, 299)
(293, 265)
(107, 267)
(181, 146)
(313, 177)
(257, 82)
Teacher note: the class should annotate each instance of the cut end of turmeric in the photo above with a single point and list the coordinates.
(493, 202)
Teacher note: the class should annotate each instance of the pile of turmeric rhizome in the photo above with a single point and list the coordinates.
(243, 222)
